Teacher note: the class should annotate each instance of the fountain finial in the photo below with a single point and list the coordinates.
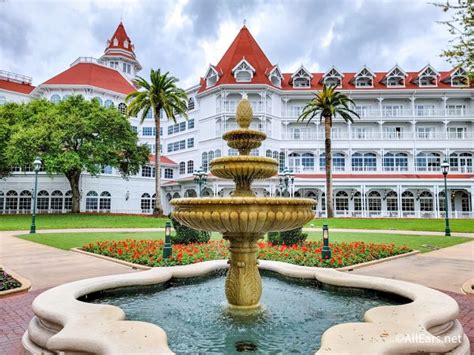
(244, 113)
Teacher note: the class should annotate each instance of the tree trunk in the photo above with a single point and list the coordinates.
(328, 154)
(158, 210)
(74, 178)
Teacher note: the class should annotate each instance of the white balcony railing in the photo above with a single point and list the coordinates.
(399, 113)
(230, 106)
(371, 136)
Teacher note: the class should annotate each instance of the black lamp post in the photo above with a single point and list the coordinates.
(287, 179)
(37, 168)
(445, 170)
(200, 178)
(326, 251)
(167, 248)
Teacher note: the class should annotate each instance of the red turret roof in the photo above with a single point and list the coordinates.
(95, 75)
(120, 43)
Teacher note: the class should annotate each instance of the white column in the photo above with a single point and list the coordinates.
(399, 200)
(436, 201)
(380, 99)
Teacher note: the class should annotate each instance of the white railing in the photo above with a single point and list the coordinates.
(9, 76)
(230, 106)
(86, 60)
(398, 113)
(364, 136)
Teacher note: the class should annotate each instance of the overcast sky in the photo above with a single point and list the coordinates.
(41, 38)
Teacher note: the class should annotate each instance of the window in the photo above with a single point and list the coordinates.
(191, 104)
(427, 161)
(425, 132)
(342, 201)
(357, 201)
(374, 201)
(392, 201)
(461, 162)
(190, 166)
(190, 142)
(11, 202)
(24, 204)
(294, 161)
(92, 201)
(168, 173)
(457, 132)
(3, 100)
(190, 193)
(232, 152)
(57, 201)
(392, 110)
(145, 203)
(408, 202)
(364, 78)
(99, 100)
(425, 110)
(55, 98)
(333, 78)
(217, 153)
(243, 71)
(275, 76)
(149, 131)
(459, 78)
(364, 162)
(178, 127)
(108, 103)
(122, 108)
(68, 201)
(307, 160)
(191, 123)
(281, 161)
(362, 111)
(135, 129)
(126, 68)
(182, 168)
(105, 202)
(426, 201)
(146, 171)
(465, 203)
(42, 202)
(268, 153)
(395, 77)
(392, 132)
(428, 77)
(362, 133)
(176, 146)
(301, 78)
(2, 201)
(338, 162)
(395, 162)
(211, 77)
(456, 110)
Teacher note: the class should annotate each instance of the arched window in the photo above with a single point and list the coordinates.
(364, 162)
(392, 201)
(190, 193)
(275, 155)
(168, 173)
(408, 202)
(395, 162)
(11, 203)
(122, 108)
(205, 161)
(462, 162)
(232, 152)
(191, 104)
(168, 197)
(426, 201)
(465, 202)
(441, 202)
(25, 201)
(57, 201)
(342, 201)
(281, 161)
(153, 201)
(207, 192)
(294, 161)
(338, 161)
(55, 98)
(428, 161)
(92, 201)
(2, 201)
(105, 201)
(99, 100)
(374, 201)
(108, 103)
(145, 203)
(307, 160)
(68, 201)
(268, 153)
(176, 195)
(182, 168)
(217, 153)
(357, 201)
(190, 166)
(42, 202)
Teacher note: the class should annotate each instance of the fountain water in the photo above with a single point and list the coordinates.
(243, 218)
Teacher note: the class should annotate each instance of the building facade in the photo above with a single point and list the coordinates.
(385, 164)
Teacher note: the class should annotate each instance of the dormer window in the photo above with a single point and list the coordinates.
(333, 78)
(395, 77)
(364, 79)
(301, 78)
(243, 72)
(211, 76)
(125, 44)
(115, 42)
(275, 76)
(428, 77)
(459, 78)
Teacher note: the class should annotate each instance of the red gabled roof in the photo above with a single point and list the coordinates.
(92, 74)
(245, 47)
(121, 36)
(22, 88)
(163, 160)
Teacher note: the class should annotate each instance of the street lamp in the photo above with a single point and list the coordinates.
(37, 168)
(445, 170)
(200, 178)
(167, 248)
(326, 251)
(287, 179)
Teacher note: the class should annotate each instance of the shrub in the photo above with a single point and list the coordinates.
(186, 235)
(291, 237)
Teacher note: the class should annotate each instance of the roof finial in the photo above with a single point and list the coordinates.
(245, 22)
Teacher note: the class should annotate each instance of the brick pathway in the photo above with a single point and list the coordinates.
(16, 312)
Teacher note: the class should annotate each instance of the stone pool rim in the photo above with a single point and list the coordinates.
(63, 323)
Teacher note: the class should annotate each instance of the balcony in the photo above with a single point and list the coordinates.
(372, 136)
(230, 106)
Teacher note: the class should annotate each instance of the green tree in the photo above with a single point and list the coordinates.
(326, 105)
(71, 137)
(461, 26)
(159, 95)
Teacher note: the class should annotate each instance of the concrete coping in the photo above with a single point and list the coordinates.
(25, 283)
(427, 324)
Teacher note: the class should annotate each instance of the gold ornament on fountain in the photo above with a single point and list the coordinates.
(243, 218)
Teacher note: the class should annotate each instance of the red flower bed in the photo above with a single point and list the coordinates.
(149, 252)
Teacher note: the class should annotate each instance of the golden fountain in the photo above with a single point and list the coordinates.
(243, 218)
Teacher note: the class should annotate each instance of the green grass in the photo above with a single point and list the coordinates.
(413, 224)
(70, 240)
(67, 221)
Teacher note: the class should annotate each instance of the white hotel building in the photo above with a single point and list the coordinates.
(385, 164)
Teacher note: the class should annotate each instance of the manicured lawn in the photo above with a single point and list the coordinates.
(63, 221)
(70, 240)
(432, 225)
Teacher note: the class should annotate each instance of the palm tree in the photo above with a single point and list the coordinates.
(159, 95)
(326, 105)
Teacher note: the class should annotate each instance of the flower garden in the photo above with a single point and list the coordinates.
(7, 282)
(149, 252)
